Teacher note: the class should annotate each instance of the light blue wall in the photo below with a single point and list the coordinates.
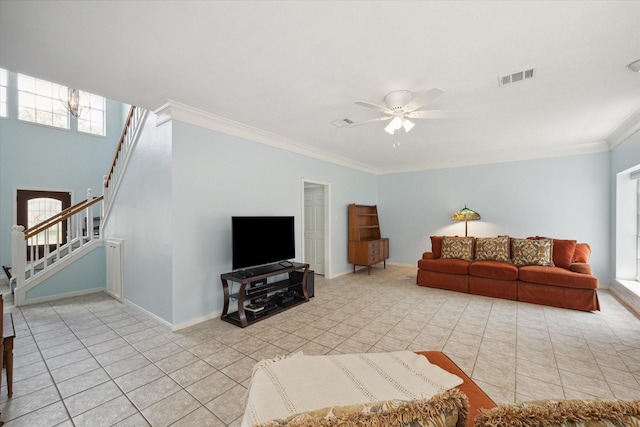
(40, 157)
(85, 273)
(216, 176)
(563, 197)
(141, 217)
(626, 154)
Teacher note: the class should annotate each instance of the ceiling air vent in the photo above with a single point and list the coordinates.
(518, 76)
(342, 122)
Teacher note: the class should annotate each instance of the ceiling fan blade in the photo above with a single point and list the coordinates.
(374, 107)
(431, 114)
(425, 98)
(432, 94)
(377, 119)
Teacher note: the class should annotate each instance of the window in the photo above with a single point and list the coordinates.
(638, 235)
(92, 117)
(39, 210)
(4, 77)
(39, 102)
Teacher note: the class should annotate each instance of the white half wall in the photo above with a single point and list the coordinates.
(562, 197)
(141, 216)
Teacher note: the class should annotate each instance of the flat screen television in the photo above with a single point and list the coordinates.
(258, 240)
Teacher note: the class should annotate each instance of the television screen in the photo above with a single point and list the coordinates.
(258, 240)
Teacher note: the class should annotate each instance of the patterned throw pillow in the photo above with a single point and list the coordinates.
(458, 248)
(532, 252)
(493, 248)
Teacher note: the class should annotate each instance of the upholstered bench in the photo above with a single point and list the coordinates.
(478, 399)
(383, 389)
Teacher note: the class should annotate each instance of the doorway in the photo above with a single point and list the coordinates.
(316, 220)
(35, 206)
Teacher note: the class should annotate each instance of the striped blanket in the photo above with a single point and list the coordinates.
(293, 384)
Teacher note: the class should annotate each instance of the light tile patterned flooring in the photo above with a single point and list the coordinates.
(92, 361)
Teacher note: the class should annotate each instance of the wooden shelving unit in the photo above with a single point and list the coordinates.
(366, 246)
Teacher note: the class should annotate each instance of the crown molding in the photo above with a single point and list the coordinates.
(590, 148)
(630, 126)
(174, 110)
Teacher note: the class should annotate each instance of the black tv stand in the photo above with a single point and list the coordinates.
(278, 295)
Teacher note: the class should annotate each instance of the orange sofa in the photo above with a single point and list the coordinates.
(514, 269)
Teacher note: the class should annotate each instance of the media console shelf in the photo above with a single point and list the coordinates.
(277, 296)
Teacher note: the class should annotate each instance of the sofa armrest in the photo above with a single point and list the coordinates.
(581, 267)
(428, 255)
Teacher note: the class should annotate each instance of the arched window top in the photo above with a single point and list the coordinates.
(41, 209)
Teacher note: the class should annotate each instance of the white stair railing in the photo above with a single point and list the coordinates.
(127, 142)
(79, 222)
(25, 269)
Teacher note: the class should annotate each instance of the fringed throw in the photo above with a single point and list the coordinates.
(287, 386)
(559, 413)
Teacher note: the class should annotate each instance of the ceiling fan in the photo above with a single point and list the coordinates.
(399, 110)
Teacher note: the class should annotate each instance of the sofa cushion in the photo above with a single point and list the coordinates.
(582, 253)
(493, 248)
(580, 267)
(532, 252)
(494, 270)
(563, 413)
(457, 248)
(436, 246)
(563, 252)
(556, 276)
(444, 265)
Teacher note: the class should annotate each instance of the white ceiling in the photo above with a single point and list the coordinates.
(287, 69)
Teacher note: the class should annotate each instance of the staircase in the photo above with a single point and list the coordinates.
(83, 236)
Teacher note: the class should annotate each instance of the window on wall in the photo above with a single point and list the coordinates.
(638, 233)
(92, 118)
(39, 210)
(4, 78)
(39, 102)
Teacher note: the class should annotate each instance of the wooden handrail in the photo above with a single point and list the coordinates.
(53, 219)
(62, 216)
(119, 149)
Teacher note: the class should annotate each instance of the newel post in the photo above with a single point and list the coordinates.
(18, 256)
(105, 198)
(89, 215)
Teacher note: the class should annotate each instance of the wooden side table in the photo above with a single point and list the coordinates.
(8, 334)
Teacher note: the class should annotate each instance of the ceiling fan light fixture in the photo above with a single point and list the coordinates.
(408, 125)
(395, 124)
(634, 66)
(389, 129)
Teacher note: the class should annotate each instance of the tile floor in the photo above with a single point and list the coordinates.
(92, 361)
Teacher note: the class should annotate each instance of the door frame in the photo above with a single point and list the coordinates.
(15, 197)
(327, 222)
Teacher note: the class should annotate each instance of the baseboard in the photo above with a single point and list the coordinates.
(62, 296)
(626, 296)
(148, 313)
(210, 316)
(361, 268)
(400, 264)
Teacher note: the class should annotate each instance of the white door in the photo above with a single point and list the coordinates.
(314, 228)
(114, 268)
